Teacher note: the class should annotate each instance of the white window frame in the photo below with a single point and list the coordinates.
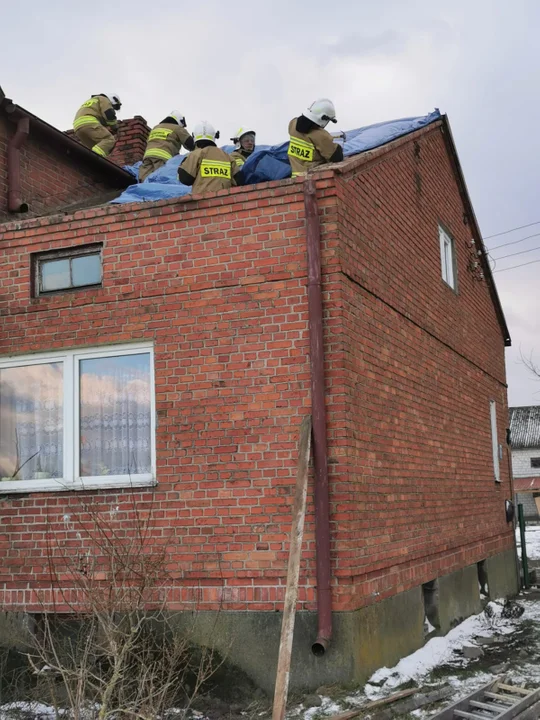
(71, 479)
(494, 440)
(448, 258)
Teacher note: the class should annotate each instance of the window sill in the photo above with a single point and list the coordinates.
(9, 487)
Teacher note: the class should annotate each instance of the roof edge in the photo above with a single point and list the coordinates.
(351, 163)
(466, 199)
(118, 176)
(443, 123)
(215, 202)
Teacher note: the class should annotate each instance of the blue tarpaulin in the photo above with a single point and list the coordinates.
(269, 162)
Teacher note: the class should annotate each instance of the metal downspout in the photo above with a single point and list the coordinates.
(322, 510)
(15, 201)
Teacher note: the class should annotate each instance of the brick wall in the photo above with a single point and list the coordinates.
(219, 286)
(130, 142)
(49, 179)
(413, 476)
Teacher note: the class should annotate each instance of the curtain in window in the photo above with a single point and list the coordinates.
(115, 416)
(31, 422)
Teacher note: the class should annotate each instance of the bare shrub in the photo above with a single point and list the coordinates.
(105, 645)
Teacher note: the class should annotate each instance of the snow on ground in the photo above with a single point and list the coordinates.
(418, 668)
(532, 541)
(329, 707)
(26, 709)
(437, 651)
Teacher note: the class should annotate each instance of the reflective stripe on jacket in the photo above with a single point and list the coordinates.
(308, 150)
(165, 141)
(97, 107)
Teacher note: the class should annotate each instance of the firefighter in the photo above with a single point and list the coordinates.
(244, 145)
(310, 144)
(96, 123)
(164, 142)
(208, 168)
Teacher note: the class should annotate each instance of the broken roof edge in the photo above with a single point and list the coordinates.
(118, 177)
(212, 203)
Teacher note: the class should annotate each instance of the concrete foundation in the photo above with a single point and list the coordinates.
(363, 641)
(459, 597)
(502, 574)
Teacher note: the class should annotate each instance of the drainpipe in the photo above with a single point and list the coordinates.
(15, 202)
(322, 509)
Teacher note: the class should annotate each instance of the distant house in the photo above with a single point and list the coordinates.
(525, 444)
(158, 359)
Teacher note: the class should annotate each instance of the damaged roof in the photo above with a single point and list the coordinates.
(525, 427)
(114, 175)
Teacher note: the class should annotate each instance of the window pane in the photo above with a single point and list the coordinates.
(31, 422)
(115, 415)
(449, 263)
(55, 275)
(86, 270)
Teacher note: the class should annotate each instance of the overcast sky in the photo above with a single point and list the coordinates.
(260, 63)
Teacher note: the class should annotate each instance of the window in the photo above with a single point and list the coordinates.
(535, 462)
(78, 419)
(70, 270)
(494, 440)
(448, 259)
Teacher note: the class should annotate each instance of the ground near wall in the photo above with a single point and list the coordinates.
(509, 648)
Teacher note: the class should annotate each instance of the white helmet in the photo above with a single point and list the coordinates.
(203, 130)
(322, 112)
(240, 134)
(115, 100)
(177, 115)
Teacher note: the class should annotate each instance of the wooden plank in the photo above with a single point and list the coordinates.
(448, 713)
(374, 704)
(469, 715)
(515, 689)
(504, 698)
(293, 572)
(486, 706)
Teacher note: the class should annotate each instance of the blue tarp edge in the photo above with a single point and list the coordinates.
(269, 162)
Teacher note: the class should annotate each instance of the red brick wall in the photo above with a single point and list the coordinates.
(412, 482)
(49, 180)
(219, 285)
(130, 141)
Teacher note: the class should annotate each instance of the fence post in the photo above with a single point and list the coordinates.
(524, 561)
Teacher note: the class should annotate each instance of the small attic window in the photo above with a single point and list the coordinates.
(535, 462)
(68, 269)
(448, 258)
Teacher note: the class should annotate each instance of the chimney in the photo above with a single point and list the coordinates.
(130, 141)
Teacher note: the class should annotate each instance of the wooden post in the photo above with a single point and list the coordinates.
(293, 572)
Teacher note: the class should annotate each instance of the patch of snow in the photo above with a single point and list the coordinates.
(30, 709)
(437, 651)
(428, 626)
(328, 707)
